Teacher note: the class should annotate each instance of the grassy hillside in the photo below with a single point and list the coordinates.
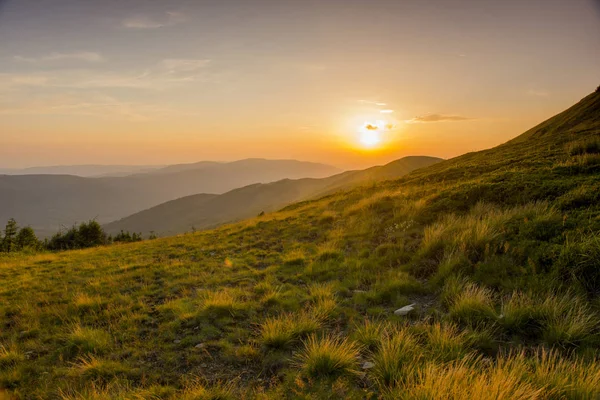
(201, 212)
(498, 252)
(49, 202)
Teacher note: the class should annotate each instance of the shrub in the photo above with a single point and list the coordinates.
(329, 356)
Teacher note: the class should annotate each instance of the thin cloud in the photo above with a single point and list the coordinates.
(371, 127)
(173, 65)
(386, 111)
(437, 118)
(375, 103)
(96, 105)
(147, 22)
(86, 56)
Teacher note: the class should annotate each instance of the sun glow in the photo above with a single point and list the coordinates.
(370, 139)
(372, 134)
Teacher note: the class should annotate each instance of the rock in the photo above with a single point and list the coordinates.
(405, 310)
(368, 365)
(204, 365)
(200, 346)
(176, 341)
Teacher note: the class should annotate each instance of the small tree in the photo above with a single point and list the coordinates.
(91, 235)
(10, 233)
(26, 239)
(598, 89)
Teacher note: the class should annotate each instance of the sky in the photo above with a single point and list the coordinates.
(346, 82)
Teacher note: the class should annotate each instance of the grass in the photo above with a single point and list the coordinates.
(474, 305)
(498, 249)
(328, 357)
(284, 330)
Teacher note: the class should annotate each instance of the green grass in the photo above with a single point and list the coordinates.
(498, 249)
(328, 357)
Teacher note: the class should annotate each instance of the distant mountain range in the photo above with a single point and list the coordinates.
(49, 202)
(82, 170)
(204, 210)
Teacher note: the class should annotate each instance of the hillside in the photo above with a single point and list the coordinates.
(494, 254)
(200, 212)
(49, 202)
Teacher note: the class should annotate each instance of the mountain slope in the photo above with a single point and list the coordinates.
(497, 252)
(47, 202)
(198, 212)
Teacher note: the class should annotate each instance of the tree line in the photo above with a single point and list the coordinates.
(87, 234)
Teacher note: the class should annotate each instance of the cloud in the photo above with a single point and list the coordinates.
(371, 127)
(386, 111)
(166, 74)
(174, 65)
(437, 118)
(375, 103)
(87, 56)
(169, 18)
(94, 104)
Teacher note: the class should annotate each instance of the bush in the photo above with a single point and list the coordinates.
(88, 234)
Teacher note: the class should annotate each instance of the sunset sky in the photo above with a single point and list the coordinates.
(346, 82)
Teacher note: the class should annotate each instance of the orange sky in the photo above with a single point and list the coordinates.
(139, 82)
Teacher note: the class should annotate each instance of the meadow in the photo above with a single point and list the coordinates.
(498, 252)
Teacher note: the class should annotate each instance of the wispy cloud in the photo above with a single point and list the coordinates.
(175, 65)
(86, 56)
(375, 103)
(97, 105)
(166, 74)
(169, 18)
(437, 118)
(386, 111)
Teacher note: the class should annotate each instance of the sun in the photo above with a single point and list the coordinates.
(370, 139)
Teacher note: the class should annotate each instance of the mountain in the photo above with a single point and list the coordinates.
(474, 278)
(202, 211)
(47, 202)
(82, 170)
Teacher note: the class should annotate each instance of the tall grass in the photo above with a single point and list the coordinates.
(328, 356)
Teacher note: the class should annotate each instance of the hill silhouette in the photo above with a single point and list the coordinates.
(204, 211)
(473, 278)
(48, 202)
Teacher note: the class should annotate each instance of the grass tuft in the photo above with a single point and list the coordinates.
(329, 356)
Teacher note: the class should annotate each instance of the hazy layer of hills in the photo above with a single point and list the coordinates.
(85, 171)
(204, 211)
(473, 278)
(47, 202)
